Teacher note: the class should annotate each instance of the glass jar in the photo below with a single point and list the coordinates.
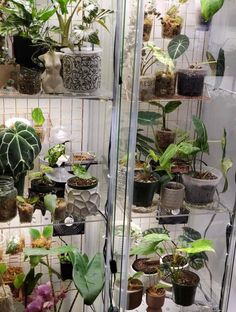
(8, 195)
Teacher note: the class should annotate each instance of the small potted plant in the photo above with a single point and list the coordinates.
(155, 297)
(150, 12)
(56, 155)
(40, 183)
(26, 208)
(66, 267)
(15, 244)
(6, 297)
(21, 147)
(57, 206)
(202, 181)
(134, 291)
(41, 239)
(38, 119)
(172, 21)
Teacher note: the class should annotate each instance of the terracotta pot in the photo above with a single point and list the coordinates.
(164, 138)
(172, 196)
(165, 84)
(147, 88)
(155, 301)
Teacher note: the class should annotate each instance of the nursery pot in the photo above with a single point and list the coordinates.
(25, 52)
(134, 296)
(143, 193)
(172, 196)
(190, 82)
(38, 187)
(25, 212)
(82, 70)
(165, 83)
(7, 199)
(201, 191)
(171, 27)
(66, 270)
(155, 299)
(184, 290)
(147, 87)
(164, 138)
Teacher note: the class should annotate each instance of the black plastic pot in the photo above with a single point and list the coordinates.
(42, 188)
(184, 295)
(143, 193)
(24, 51)
(66, 270)
(190, 82)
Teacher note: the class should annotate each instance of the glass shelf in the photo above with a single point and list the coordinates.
(101, 95)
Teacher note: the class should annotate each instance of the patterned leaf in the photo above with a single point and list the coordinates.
(178, 46)
(19, 146)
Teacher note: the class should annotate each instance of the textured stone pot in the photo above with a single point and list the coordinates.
(82, 70)
(201, 192)
(172, 196)
(147, 88)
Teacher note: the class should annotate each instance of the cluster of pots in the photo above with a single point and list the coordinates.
(189, 82)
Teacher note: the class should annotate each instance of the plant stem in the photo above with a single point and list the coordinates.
(50, 278)
(71, 307)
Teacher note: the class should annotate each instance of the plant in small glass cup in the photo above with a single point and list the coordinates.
(41, 239)
(83, 49)
(6, 298)
(150, 13)
(202, 181)
(15, 244)
(26, 207)
(57, 206)
(38, 119)
(172, 21)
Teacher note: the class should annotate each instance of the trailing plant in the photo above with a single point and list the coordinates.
(19, 146)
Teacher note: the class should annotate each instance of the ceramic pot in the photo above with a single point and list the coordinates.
(165, 84)
(147, 88)
(82, 70)
(183, 294)
(164, 138)
(172, 196)
(201, 192)
(190, 82)
(155, 301)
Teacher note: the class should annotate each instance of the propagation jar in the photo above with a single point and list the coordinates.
(7, 199)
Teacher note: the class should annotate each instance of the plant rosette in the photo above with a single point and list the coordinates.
(200, 190)
(155, 298)
(150, 268)
(82, 70)
(190, 81)
(184, 289)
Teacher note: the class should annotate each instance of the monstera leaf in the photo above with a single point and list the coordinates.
(19, 146)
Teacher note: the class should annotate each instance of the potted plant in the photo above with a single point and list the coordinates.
(134, 291)
(155, 297)
(21, 147)
(40, 183)
(57, 206)
(66, 267)
(15, 244)
(28, 26)
(41, 239)
(82, 63)
(38, 120)
(26, 208)
(150, 12)
(202, 181)
(6, 298)
(172, 21)
(56, 155)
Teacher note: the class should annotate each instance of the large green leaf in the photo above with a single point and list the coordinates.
(146, 118)
(47, 252)
(210, 7)
(50, 202)
(169, 153)
(144, 249)
(156, 238)
(88, 276)
(171, 106)
(19, 146)
(220, 68)
(202, 139)
(178, 46)
(197, 246)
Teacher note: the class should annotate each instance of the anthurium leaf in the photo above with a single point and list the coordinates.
(19, 280)
(88, 276)
(37, 116)
(81, 172)
(172, 106)
(50, 202)
(210, 7)
(177, 46)
(144, 138)
(202, 139)
(31, 281)
(147, 118)
(196, 261)
(220, 68)
(19, 146)
(34, 260)
(212, 62)
(153, 156)
(197, 246)
(47, 231)
(35, 234)
(187, 148)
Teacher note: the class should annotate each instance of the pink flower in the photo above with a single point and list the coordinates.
(35, 305)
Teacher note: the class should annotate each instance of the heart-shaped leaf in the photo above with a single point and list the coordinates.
(178, 46)
(146, 118)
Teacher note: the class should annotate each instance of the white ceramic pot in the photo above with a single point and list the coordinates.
(82, 70)
(147, 279)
